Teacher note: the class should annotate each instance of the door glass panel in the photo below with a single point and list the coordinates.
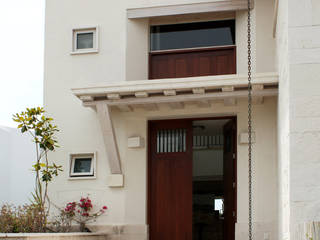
(171, 140)
(192, 35)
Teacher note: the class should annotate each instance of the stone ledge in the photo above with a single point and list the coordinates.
(54, 236)
(100, 232)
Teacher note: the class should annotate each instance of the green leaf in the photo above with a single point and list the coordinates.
(24, 129)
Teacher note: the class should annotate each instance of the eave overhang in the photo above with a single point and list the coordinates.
(150, 92)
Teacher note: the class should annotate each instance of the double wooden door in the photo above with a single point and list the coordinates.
(170, 180)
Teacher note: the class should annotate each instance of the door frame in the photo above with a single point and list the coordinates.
(233, 118)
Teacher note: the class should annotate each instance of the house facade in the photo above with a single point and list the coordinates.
(151, 100)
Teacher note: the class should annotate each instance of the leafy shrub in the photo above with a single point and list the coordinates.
(19, 219)
(61, 222)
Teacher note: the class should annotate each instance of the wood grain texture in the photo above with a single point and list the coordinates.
(170, 186)
(192, 62)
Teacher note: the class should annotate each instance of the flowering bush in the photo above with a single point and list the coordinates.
(80, 212)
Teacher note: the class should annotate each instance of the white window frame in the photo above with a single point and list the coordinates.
(86, 175)
(80, 30)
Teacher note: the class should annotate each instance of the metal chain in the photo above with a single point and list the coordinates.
(249, 121)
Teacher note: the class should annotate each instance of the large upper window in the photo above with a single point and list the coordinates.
(192, 35)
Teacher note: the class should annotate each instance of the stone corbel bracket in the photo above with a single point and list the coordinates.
(111, 147)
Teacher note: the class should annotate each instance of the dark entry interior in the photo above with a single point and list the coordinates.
(192, 179)
(208, 178)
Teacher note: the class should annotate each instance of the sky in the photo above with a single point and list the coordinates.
(21, 56)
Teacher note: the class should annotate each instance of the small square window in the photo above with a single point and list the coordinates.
(85, 40)
(82, 165)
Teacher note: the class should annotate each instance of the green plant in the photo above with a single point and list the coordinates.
(24, 218)
(42, 130)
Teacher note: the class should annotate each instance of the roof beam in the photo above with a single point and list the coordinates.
(229, 101)
(150, 107)
(176, 105)
(125, 108)
(204, 104)
(178, 84)
(181, 9)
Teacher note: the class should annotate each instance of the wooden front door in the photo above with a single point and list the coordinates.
(192, 62)
(170, 180)
(229, 177)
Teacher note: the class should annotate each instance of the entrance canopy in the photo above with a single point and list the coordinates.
(175, 92)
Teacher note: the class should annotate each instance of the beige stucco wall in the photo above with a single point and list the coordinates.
(123, 48)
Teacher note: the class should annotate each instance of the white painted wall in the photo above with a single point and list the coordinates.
(17, 154)
(123, 56)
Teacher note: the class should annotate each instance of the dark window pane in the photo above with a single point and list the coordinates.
(82, 165)
(192, 35)
(84, 40)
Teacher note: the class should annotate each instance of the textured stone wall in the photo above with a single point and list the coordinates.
(298, 38)
(304, 59)
(283, 120)
(308, 231)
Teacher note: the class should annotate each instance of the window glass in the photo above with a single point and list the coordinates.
(84, 40)
(171, 140)
(192, 35)
(82, 165)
